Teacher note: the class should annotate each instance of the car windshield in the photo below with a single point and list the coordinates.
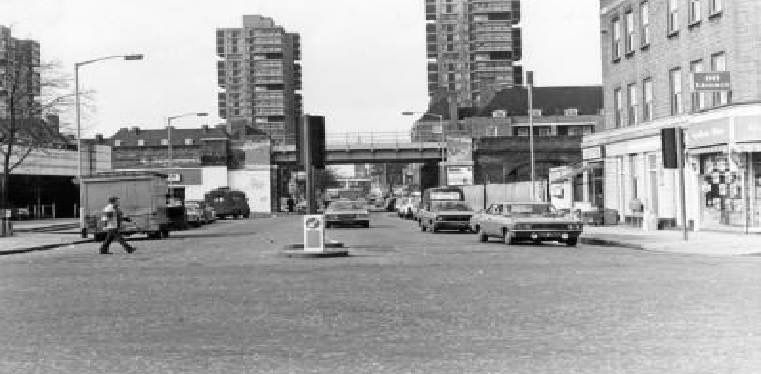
(529, 210)
(346, 205)
(450, 206)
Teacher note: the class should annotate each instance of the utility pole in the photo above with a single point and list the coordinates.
(680, 159)
(530, 86)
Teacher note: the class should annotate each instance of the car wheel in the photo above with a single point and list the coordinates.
(99, 236)
(571, 242)
(507, 237)
(164, 233)
(366, 225)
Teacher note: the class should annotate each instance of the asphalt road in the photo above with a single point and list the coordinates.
(220, 300)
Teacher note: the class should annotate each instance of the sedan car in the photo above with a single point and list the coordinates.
(343, 213)
(445, 215)
(528, 221)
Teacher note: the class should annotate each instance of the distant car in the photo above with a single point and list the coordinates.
(228, 203)
(445, 215)
(20, 214)
(406, 209)
(475, 220)
(347, 213)
(199, 213)
(532, 221)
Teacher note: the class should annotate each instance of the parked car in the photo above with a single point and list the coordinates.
(475, 220)
(198, 213)
(228, 203)
(532, 221)
(408, 207)
(347, 213)
(445, 215)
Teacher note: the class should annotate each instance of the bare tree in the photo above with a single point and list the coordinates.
(30, 92)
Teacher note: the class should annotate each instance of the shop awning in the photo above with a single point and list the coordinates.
(712, 149)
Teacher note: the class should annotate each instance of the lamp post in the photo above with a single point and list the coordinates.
(530, 86)
(442, 178)
(169, 131)
(77, 65)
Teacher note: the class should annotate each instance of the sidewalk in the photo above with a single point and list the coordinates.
(28, 242)
(45, 224)
(703, 242)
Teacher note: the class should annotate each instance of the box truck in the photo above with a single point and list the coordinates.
(142, 197)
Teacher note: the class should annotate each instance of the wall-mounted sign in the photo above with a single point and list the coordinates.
(713, 81)
(592, 153)
(708, 133)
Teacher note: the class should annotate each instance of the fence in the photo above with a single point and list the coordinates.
(480, 196)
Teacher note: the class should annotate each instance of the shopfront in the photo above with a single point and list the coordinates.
(727, 151)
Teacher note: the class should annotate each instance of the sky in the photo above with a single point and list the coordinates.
(363, 61)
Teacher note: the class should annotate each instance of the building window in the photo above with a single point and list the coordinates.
(140, 142)
(571, 112)
(644, 16)
(673, 17)
(675, 91)
(536, 112)
(719, 63)
(188, 141)
(647, 100)
(698, 98)
(695, 11)
(631, 98)
(117, 143)
(716, 6)
(164, 142)
(543, 131)
(629, 17)
(521, 131)
(633, 176)
(617, 107)
(616, 51)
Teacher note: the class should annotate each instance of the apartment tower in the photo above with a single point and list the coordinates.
(19, 75)
(260, 77)
(472, 47)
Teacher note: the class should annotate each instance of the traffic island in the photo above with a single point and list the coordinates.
(332, 249)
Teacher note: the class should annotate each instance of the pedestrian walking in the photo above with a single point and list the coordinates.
(290, 204)
(112, 222)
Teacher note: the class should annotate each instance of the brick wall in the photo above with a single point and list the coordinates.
(736, 32)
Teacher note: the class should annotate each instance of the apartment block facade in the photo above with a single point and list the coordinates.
(19, 76)
(651, 50)
(259, 75)
(472, 47)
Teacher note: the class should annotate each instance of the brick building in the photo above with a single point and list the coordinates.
(235, 156)
(650, 51)
(558, 111)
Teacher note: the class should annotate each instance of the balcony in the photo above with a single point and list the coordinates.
(491, 46)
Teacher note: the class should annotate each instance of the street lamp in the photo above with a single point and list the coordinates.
(169, 131)
(77, 65)
(442, 178)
